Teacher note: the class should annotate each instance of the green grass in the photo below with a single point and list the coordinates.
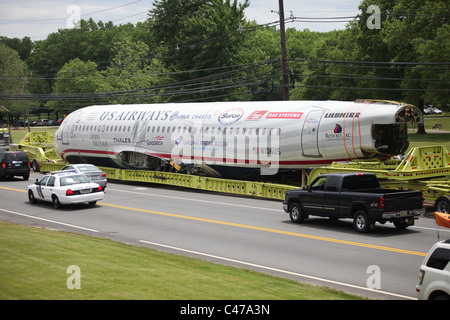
(18, 134)
(34, 262)
(432, 137)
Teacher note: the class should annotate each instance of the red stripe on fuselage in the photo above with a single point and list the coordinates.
(211, 159)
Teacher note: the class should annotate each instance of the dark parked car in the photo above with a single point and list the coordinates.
(14, 163)
(53, 123)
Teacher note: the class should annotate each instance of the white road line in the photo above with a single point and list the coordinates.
(279, 270)
(48, 220)
(436, 229)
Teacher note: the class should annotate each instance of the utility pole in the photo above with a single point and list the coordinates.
(283, 51)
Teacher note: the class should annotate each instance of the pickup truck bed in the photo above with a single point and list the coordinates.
(356, 196)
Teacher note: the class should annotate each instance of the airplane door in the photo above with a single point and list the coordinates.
(63, 133)
(310, 134)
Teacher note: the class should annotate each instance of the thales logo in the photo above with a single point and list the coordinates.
(337, 129)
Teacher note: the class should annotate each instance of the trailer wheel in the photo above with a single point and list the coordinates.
(362, 222)
(296, 214)
(36, 165)
(442, 204)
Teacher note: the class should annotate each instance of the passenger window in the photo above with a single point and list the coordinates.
(439, 259)
(51, 182)
(332, 183)
(319, 184)
(43, 181)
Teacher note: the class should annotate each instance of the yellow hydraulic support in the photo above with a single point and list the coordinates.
(39, 147)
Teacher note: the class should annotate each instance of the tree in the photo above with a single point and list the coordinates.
(132, 71)
(13, 71)
(14, 78)
(80, 78)
(23, 46)
(200, 38)
(414, 26)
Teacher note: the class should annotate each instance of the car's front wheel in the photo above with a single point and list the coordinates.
(31, 197)
(296, 214)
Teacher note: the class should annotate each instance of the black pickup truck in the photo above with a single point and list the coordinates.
(357, 196)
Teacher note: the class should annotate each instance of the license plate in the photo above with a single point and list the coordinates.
(403, 213)
(86, 191)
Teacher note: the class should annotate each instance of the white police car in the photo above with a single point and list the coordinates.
(65, 188)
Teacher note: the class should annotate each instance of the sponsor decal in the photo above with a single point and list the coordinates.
(155, 141)
(256, 115)
(122, 140)
(230, 116)
(338, 134)
(338, 115)
(177, 116)
(135, 115)
(284, 115)
(338, 128)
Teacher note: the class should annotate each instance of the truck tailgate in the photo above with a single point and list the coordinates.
(402, 200)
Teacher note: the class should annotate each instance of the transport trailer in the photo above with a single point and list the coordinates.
(38, 146)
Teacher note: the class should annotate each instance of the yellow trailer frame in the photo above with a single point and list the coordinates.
(424, 168)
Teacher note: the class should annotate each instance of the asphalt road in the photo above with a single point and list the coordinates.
(245, 232)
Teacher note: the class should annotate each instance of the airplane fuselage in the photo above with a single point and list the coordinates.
(275, 134)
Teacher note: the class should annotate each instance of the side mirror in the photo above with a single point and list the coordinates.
(36, 182)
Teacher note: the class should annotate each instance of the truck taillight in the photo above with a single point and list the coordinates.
(381, 203)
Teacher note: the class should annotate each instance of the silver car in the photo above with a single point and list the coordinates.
(92, 172)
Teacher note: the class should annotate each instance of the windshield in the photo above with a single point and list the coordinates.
(20, 156)
(89, 169)
(75, 179)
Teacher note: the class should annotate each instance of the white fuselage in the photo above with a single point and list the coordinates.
(281, 134)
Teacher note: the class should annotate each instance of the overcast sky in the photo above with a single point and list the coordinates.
(37, 19)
